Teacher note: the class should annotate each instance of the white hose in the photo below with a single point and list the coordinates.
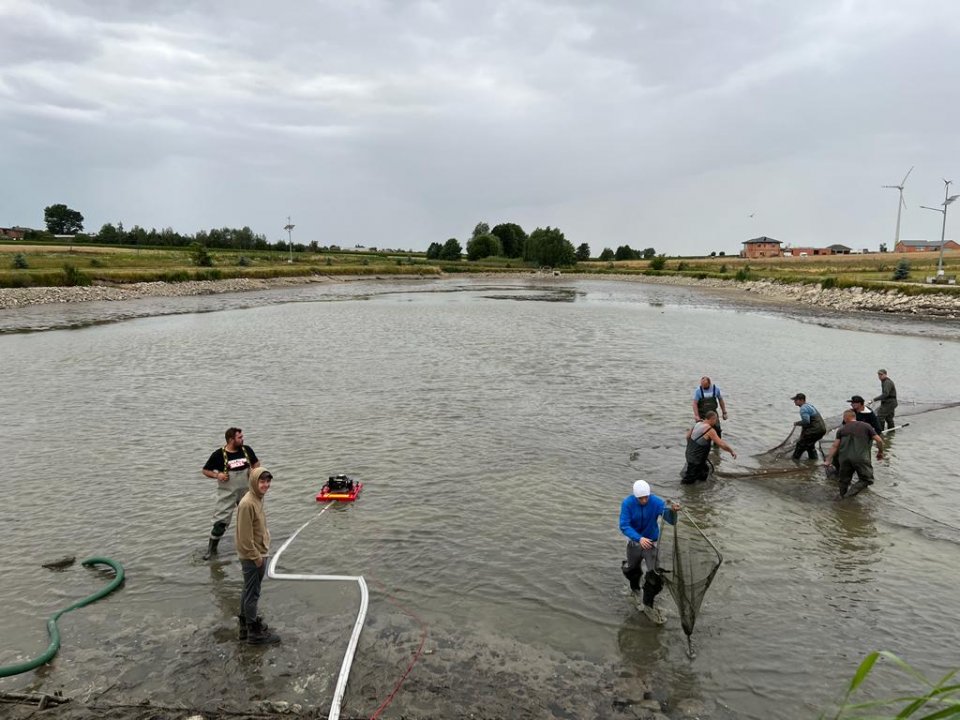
(357, 626)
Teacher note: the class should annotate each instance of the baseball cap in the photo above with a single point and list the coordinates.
(641, 488)
(856, 399)
(799, 396)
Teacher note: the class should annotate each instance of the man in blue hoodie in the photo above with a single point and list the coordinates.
(639, 515)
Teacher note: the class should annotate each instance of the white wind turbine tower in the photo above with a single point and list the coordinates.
(900, 205)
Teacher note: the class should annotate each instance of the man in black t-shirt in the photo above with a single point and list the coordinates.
(230, 466)
(865, 414)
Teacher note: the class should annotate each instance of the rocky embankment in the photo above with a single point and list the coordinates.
(19, 297)
(942, 305)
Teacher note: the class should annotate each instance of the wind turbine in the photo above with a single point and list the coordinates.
(900, 205)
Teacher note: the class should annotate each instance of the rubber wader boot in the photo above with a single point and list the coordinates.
(259, 634)
(211, 548)
(243, 625)
(654, 614)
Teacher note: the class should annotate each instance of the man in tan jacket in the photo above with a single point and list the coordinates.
(253, 544)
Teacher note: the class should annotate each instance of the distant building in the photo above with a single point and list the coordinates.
(761, 247)
(908, 246)
(805, 251)
(839, 249)
(14, 233)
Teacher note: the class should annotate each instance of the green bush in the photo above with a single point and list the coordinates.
(96, 262)
(658, 263)
(682, 265)
(243, 261)
(902, 271)
(829, 282)
(199, 255)
(73, 276)
(743, 274)
(20, 262)
(723, 268)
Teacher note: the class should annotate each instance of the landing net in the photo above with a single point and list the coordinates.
(687, 561)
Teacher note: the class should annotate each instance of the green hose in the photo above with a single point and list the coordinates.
(54, 632)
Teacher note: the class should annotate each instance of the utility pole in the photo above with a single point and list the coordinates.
(289, 228)
(943, 228)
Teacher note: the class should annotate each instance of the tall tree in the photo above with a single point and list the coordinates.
(62, 220)
(548, 246)
(451, 250)
(583, 252)
(481, 246)
(607, 254)
(433, 252)
(481, 228)
(512, 239)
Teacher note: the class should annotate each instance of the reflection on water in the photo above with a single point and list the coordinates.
(494, 440)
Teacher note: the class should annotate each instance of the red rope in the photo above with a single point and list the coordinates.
(413, 660)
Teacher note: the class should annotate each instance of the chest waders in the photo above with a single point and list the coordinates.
(632, 569)
(706, 404)
(810, 435)
(888, 403)
(698, 449)
(854, 454)
(229, 494)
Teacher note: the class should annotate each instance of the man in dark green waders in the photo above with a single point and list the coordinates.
(706, 398)
(852, 447)
(887, 398)
(699, 440)
(230, 466)
(812, 428)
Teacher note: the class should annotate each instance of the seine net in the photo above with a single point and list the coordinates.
(687, 561)
(777, 460)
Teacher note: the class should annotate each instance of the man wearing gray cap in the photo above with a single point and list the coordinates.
(887, 398)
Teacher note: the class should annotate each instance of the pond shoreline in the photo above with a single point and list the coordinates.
(852, 300)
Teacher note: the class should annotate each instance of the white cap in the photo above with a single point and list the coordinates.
(641, 488)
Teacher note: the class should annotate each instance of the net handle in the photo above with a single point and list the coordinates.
(703, 534)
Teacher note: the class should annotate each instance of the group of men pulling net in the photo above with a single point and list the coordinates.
(684, 560)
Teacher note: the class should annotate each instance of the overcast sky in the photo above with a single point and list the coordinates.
(384, 123)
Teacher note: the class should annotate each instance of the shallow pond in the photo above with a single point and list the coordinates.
(493, 423)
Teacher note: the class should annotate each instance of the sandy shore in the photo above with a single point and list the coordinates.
(939, 305)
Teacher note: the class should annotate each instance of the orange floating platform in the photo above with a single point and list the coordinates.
(340, 488)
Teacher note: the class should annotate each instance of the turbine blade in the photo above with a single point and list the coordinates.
(904, 181)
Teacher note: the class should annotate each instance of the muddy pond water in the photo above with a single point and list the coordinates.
(493, 423)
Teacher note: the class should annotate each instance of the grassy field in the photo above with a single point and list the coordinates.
(47, 265)
(110, 264)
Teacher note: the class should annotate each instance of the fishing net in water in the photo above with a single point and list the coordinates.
(687, 562)
(777, 460)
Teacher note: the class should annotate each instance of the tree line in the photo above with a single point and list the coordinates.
(546, 246)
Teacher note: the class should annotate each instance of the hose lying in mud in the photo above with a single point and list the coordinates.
(357, 626)
(54, 632)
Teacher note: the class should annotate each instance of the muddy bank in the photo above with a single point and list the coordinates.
(21, 297)
(938, 305)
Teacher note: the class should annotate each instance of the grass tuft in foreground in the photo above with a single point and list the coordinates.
(933, 701)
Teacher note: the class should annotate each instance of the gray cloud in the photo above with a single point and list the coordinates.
(402, 123)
